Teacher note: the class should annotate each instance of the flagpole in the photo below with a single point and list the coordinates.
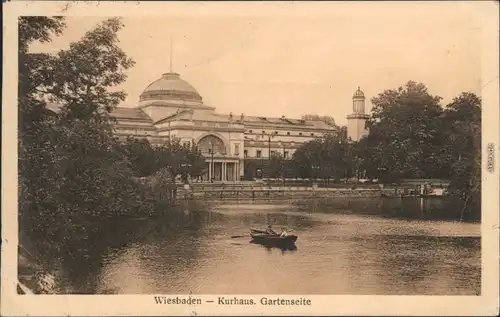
(171, 54)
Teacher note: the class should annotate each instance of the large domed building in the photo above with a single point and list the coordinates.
(171, 107)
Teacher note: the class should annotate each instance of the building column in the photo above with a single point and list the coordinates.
(241, 169)
(210, 172)
(224, 166)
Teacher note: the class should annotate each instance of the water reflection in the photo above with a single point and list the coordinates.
(282, 247)
(347, 248)
(448, 208)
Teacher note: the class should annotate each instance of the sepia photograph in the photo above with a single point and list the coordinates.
(278, 155)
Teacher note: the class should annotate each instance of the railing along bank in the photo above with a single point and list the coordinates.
(265, 192)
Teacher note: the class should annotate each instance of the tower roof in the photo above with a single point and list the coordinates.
(358, 93)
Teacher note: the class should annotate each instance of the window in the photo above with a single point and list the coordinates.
(237, 149)
(245, 153)
(288, 133)
(312, 134)
(300, 133)
(286, 155)
(249, 131)
(275, 132)
(273, 153)
(263, 132)
(259, 153)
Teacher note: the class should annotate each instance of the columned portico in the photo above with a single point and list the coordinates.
(221, 170)
(221, 164)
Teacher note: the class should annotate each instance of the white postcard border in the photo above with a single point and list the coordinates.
(134, 305)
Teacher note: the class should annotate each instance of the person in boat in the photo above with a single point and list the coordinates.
(270, 230)
(283, 233)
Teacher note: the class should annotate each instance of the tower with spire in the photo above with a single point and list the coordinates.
(356, 121)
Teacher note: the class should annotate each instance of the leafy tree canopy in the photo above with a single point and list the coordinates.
(328, 157)
(72, 171)
(405, 137)
(462, 125)
(173, 155)
(411, 136)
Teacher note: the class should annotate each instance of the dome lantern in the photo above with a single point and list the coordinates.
(358, 94)
(358, 102)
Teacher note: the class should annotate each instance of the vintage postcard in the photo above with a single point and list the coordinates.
(250, 158)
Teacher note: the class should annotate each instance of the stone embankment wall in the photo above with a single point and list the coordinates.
(280, 193)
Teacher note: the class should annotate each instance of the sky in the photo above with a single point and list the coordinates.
(279, 64)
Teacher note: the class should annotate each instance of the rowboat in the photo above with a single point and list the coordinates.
(262, 237)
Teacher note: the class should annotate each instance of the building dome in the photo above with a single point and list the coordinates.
(358, 94)
(170, 86)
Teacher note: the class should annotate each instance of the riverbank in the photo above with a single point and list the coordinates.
(233, 193)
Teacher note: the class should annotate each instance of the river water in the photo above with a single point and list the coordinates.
(359, 249)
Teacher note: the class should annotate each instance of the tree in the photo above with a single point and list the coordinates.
(406, 138)
(161, 188)
(180, 159)
(305, 158)
(276, 166)
(367, 152)
(173, 156)
(462, 123)
(71, 168)
(324, 158)
(83, 74)
(141, 156)
(194, 162)
(36, 148)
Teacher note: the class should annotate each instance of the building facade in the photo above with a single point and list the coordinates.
(171, 107)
